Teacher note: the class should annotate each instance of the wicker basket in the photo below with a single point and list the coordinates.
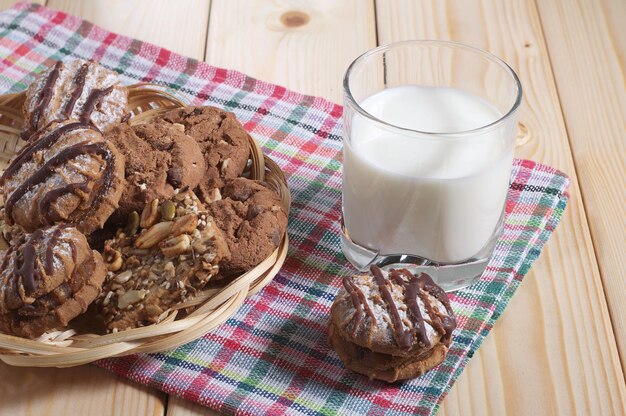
(209, 308)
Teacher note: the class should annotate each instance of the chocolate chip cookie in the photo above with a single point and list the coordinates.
(391, 325)
(162, 258)
(222, 140)
(47, 279)
(253, 220)
(160, 157)
(69, 174)
(76, 90)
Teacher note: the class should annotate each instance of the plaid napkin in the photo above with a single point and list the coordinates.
(272, 357)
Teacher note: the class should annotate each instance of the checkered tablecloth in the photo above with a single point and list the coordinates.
(272, 357)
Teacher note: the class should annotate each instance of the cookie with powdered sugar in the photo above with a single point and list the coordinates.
(47, 278)
(69, 174)
(392, 324)
(74, 90)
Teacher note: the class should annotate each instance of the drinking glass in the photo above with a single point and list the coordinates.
(430, 131)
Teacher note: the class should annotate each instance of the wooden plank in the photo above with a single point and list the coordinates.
(5, 4)
(553, 350)
(587, 46)
(86, 390)
(297, 44)
(165, 23)
(89, 390)
(301, 45)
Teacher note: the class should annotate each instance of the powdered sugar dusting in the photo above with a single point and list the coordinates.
(367, 284)
(82, 169)
(111, 109)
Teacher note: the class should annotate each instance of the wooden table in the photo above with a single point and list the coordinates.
(556, 349)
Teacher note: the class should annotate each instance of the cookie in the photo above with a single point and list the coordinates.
(222, 140)
(393, 312)
(389, 368)
(9, 234)
(253, 220)
(391, 325)
(46, 279)
(69, 174)
(161, 259)
(74, 90)
(160, 157)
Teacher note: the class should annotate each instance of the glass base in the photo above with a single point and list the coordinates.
(450, 277)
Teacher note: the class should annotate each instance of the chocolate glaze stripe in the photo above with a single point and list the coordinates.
(63, 156)
(94, 99)
(44, 99)
(447, 322)
(411, 292)
(402, 336)
(75, 259)
(105, 182)
(359, 302)
(52, 243)
(35, 146)
(79, 84)
(53, 195)
(27, 269)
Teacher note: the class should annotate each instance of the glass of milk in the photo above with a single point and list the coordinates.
(430, 131)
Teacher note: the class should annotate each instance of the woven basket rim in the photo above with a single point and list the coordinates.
(212, 307)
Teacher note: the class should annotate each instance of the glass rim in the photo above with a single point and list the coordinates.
(456, 45)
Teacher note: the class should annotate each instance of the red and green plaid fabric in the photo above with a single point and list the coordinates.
(272, 357)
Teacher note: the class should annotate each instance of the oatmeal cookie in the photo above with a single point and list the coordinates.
(222, 140)
(162, 258)
(253, 220)
(160, 157)
(76, 90)
(69, 174)
(46, 279)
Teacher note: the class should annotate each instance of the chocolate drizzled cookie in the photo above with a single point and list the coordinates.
(162, 258)
(74, 90)
(46, 279)
(391, 325)
(68, 174)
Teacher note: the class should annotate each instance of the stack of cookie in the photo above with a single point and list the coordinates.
(118, 223)
(391, 325)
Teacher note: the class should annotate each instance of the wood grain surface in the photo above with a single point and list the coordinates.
(179, 26)
(587, 47)
(89, 390)
(559, 315)
(553, 351)
(304, 45)
(86, 390)
(5, 4)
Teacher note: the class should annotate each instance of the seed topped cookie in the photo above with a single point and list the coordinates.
(222, 140)
(46, 279)
(69, 174)
(76, 90)
(162, 258)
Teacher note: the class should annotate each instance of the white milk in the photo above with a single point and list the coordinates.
(438, 197)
